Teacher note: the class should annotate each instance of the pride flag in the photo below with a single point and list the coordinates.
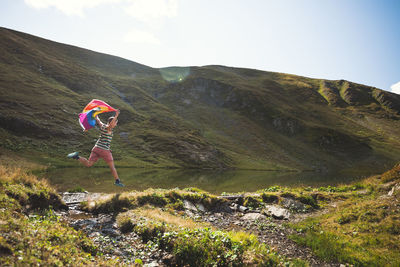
(87, 119)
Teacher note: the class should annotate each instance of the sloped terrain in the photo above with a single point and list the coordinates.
(202, 117)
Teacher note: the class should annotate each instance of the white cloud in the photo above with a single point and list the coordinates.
(395, 88)
(142, 10)
(150, 10)
(143, 37)
(69, 7)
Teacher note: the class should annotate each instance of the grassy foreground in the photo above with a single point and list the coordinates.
(31, 233)
(158, 217)
(357, 224)
(363, 228)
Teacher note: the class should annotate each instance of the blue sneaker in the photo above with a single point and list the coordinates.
(74, 155)
(118, 183)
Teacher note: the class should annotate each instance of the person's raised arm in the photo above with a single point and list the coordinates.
(115, 117)
(99, 122)
(112, 123)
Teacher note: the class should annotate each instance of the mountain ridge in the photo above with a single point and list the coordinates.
(194, 117)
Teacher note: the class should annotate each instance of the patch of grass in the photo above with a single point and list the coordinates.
(391, 175)
(253, 202)
(31, 193)
(172, 198)
(345, 188)
(168, 218)
(35, 235)
(363, 230)
(77, 189)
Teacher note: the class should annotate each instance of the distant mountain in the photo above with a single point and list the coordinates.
(198, 117)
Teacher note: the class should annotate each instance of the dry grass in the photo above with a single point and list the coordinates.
(39, 239)
(20, 175)
(169, 218)
(10, 159)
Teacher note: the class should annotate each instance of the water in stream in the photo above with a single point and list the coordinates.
(213, 181)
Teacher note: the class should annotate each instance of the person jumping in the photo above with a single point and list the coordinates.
(102, 147)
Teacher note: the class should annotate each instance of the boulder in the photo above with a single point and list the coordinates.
(242, 209)
(277, 212)
(293, 204)
(200, 207)
(189, 206)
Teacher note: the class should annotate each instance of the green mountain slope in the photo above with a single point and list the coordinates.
(207, 117)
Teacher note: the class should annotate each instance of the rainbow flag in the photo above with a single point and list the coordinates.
(87, 119)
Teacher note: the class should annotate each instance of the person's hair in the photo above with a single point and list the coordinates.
(110, 119)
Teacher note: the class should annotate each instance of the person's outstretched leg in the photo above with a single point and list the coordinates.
(114, 172)
(113, 169)
(87, 163)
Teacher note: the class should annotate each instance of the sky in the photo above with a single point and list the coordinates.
(355, 40)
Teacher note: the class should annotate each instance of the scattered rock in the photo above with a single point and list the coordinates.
(152, 264)
(222, 208)
(254, 216)
(189, 213)
(394, 188)
(73, 198)
(234, 207)
(201, 207)
(189, 206)
(110, 232)
(277, 212)
(104, 231)
(293, 205)
(242, 209)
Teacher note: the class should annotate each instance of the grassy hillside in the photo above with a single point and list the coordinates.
(361, 229)
(203, 117)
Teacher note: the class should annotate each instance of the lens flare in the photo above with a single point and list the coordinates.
(175, 74)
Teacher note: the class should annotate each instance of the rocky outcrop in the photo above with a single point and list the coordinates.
(287, 126)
